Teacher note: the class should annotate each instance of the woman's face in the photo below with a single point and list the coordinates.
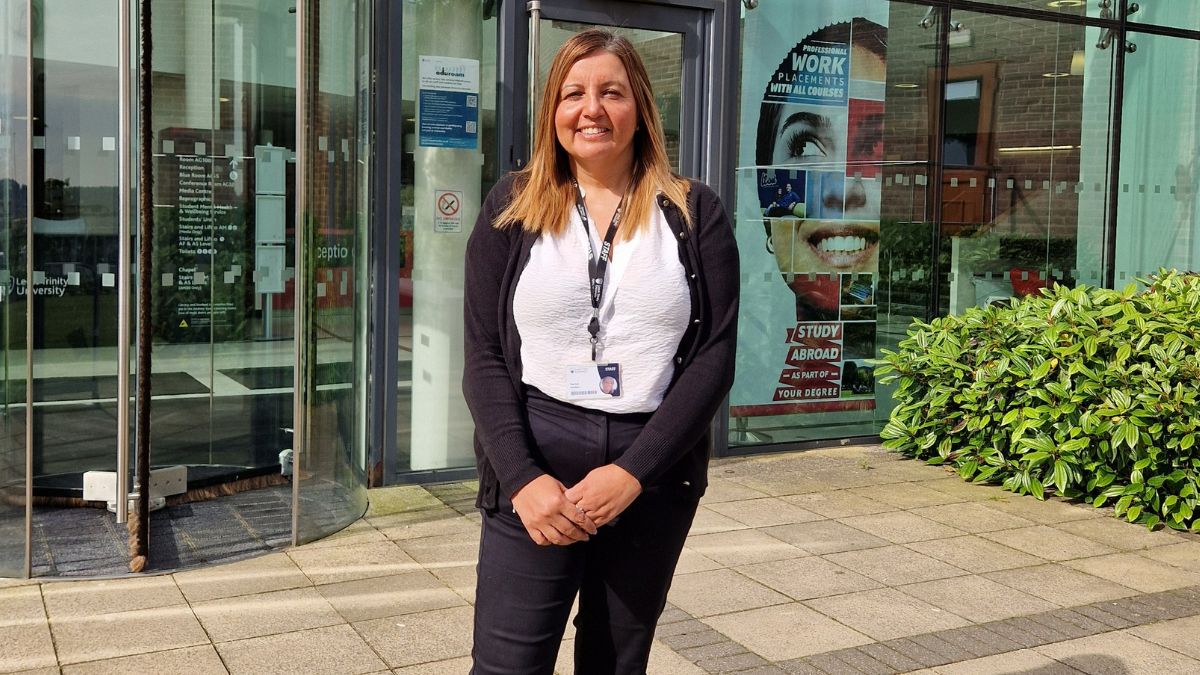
(596, 116)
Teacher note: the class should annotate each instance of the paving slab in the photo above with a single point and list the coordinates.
(1119, 534)
(400, 499)
(1136, 572)
(419, 638)
(894, 565)
(786, 631)
(334, 650)
(333, 564)
(443, 550)
(805, 578)
(977, 598)
(1185, 555)
(723, 490)
(952, 484)
(1119, 653)
(461, 580)
(974, 554)
(248, 616)
(742, 547)
(1061, 585)
(1049, 543)
(708, 521)
(692, 561)
(83, 598)
(838, 504)
(972, 517)
(764, 512)
(393, 595)
(886, 613)
(825, 536)
(27, 645)
(1179, 635)
(1046, 512)
(905, 495)
(271, 572)
(429, 523)
(109, 636)
(359, 532)
(900, 527)
(720, 592)
(202, 660)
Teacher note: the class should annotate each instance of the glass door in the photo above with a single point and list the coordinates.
(670, 42)
(14, 218)
(333, 156)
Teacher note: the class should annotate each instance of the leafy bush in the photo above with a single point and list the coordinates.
(1090, 393)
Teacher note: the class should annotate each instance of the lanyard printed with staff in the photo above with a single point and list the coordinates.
(595, 380)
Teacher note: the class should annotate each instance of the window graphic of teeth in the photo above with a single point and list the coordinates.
(842, 244)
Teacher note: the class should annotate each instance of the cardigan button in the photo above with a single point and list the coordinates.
(696, 321)
(678, 359)
(682, 235)
(693, 275)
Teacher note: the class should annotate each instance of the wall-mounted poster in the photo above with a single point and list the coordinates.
(809, 179)
(448, 103)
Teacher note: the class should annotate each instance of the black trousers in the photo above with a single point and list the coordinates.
(621, 575)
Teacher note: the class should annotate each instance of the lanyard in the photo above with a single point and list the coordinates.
(597, 266)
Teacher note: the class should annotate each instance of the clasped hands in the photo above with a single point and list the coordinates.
(554, 514)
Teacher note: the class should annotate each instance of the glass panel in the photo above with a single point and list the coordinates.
(224, 130)
(72, 282)
(1026, 159)
(833, 212)
(14, 210)
(1158, 214)
(1173, 13)
(450, 164)
(331, 467)
(662, 53)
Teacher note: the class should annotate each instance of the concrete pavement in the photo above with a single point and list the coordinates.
(848, 560)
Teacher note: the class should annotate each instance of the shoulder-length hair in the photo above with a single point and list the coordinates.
(543, 194)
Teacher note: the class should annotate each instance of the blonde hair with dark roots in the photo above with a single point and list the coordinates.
(543, 194)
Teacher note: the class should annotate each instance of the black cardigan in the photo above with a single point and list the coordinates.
(673, 448)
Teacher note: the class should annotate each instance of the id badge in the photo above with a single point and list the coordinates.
(594, 381)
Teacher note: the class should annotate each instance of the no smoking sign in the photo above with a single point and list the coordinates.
(447, 210)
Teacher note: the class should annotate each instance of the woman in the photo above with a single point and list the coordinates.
(601, 318)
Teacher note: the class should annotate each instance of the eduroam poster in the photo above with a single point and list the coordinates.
(810, 171)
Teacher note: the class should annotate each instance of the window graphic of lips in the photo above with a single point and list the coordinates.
(844, 246)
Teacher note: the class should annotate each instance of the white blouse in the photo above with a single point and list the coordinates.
(643, 313)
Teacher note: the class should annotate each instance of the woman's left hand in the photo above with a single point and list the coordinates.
(604, 493)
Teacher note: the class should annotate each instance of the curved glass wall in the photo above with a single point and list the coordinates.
(14, 210)
(330, 467)
(224, 308)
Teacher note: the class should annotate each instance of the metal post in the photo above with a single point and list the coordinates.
(299, 435)
(124, 209)
(937, 170)
(534, 7)
(29, 202)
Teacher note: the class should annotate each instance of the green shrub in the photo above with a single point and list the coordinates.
(1090, 393)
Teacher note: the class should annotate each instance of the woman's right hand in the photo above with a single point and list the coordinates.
(547, 515)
